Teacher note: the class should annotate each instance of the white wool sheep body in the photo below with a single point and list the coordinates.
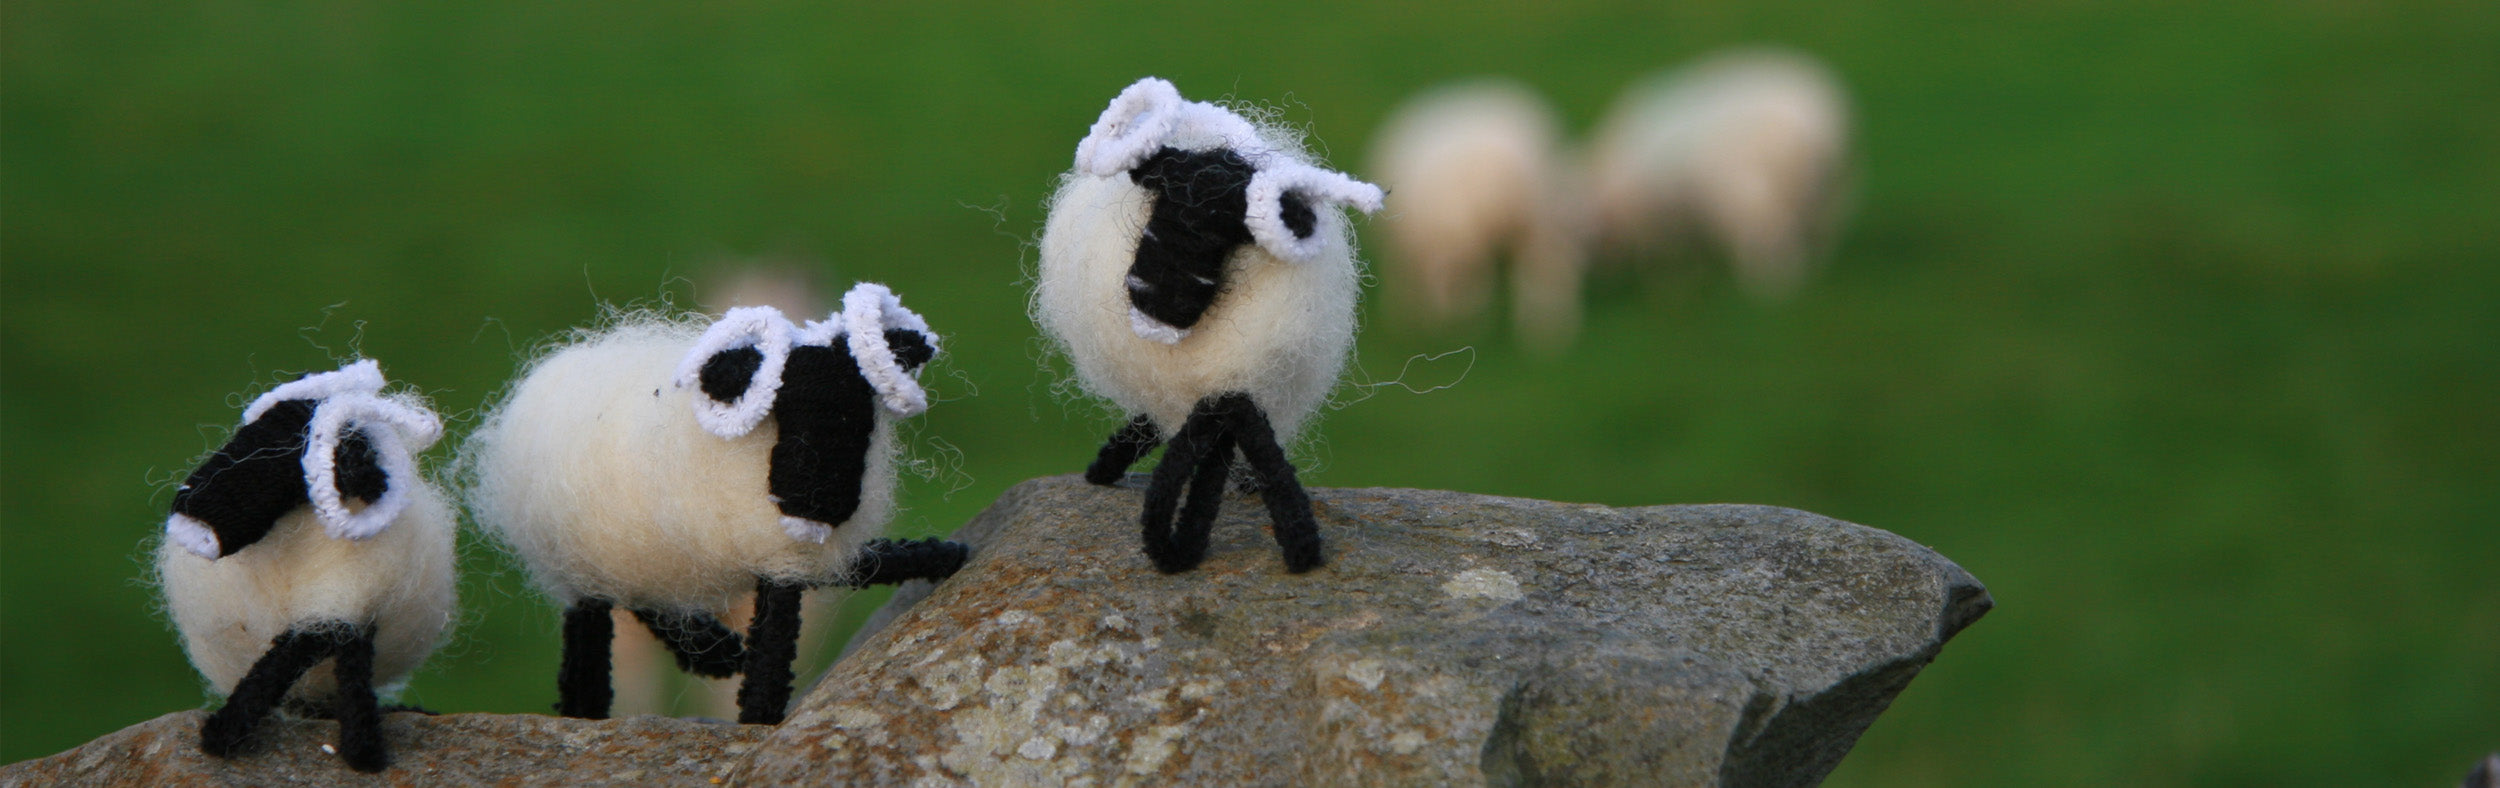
(670, 467)
(308, 560)
(1750, 145)
(1197, 272)
(1480, 175)
(598, 477)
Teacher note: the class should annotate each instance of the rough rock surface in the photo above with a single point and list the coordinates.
(1452, 639)
(452, 749)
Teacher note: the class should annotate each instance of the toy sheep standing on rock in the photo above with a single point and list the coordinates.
(306, 561)
(1196, 270)
(670, 468)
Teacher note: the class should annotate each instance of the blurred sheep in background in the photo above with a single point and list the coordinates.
(1479, 174)
(1746, 149)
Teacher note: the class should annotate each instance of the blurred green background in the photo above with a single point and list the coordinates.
(2178, 326)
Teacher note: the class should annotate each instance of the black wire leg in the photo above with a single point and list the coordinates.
(264, 687)
(772, 645)
(360, 718)
(701, 644)
(890, 561)
(582, 688)
(1206, 496)
(1123, 450)
(1288, 506)
(1171, 478)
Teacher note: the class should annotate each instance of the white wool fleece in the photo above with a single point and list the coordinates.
(596, 472)
(399, 579)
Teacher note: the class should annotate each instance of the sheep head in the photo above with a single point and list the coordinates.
(1218, 184)
(319, 440)
(822, 383)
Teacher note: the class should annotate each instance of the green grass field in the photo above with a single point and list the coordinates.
(2178, 326)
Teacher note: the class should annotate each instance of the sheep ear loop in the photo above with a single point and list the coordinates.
(396, 432)
(1133, 127)
(867, 312)
(362, 376)
(759, 327)
(1323, 189)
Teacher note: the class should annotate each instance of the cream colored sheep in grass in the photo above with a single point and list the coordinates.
(1480, 175)
(1747, 149)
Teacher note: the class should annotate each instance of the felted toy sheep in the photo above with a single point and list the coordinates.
(669, 468)
(1197, 272)
(307, 561)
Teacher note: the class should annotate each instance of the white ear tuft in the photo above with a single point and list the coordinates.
(1322, 189)
(359, 376)
(1135, 125)
(759, 327)
(396, 431)
(867, 312)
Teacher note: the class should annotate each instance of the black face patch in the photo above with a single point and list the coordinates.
(258, 476)
(1200, 200)
(828, 415)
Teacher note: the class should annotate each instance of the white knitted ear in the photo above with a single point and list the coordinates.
(1322, 189)
(1131, 129)
(867, 312)
(759, 327)
(360, 376)
(396, 431)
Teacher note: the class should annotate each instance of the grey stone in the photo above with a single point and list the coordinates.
(1452, 639)
(452, 749)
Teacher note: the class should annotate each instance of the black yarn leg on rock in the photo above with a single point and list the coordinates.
(582, 688)
(1206, 496)
(890, 561)
(360, 720)
(1171, 478)
(1288, 506)
(263, 687)
(702, 644)
(772, 644)
(1123, 450)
